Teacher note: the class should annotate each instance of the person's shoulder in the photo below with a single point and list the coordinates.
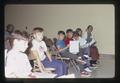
(34, 42)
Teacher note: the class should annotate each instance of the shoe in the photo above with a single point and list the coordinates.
(93, 67)
(85, 74)
(86, 56)
(88, 70)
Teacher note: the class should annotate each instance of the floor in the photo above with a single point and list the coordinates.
(106, 68)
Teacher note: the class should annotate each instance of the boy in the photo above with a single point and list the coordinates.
(84, 51)
(39, 49)
(69, 35)
(17, 63)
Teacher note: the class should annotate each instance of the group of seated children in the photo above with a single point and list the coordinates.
(19, 63)
(85, 43)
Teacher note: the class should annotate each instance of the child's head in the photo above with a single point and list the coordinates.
(19, 41)
(38, 33)
(10, 28)
(79, 30)
(61, 35)
(69, 33)
(90, 28)
(75, 35)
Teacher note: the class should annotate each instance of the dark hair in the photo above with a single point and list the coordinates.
(61, 32)
(18, 32)
(90, 26)
(38, 29)
(78, 29)
(69, 30)
(17, 35)
(75, 33)
(10, 26)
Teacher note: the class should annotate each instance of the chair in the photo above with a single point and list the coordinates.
(36, 68)
(64, 59)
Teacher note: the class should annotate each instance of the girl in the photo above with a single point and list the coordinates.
(93, 49)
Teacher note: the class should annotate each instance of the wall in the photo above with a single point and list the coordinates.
(61, 17)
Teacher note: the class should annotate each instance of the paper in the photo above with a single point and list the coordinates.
(74, 47)
(44, 75)
(68, 76)
(82, 42)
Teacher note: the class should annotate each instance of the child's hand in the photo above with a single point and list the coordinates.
(68, 45)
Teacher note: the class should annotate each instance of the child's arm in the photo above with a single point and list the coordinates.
(48, 55)
(61, 49)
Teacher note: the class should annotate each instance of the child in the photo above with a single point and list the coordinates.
(85, 70)
(40, 51)
(93, 49)
(8, 32)
(17, 64)
(69, 35)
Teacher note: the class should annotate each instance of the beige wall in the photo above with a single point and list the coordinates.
(61, 17)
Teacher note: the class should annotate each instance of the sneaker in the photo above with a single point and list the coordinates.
(93, 66)
(88, 70)
(85, 74)
(86, 56)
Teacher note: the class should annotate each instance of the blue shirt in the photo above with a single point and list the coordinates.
(60, 43)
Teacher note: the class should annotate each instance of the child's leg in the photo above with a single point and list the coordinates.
(67, 54)
(60, 68)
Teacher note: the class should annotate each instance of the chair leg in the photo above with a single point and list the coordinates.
(74, 65)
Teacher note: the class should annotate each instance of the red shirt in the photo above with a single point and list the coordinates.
(67, 41)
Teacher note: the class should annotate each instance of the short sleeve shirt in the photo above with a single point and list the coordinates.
(40, 47)
(60, 43)
(17, 63)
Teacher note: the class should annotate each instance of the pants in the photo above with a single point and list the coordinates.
(67, 54)
(84, 51)
(94, 53)
(60, 67)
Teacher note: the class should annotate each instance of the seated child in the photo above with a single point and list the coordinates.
(17, 63)
(69, 35)
(40, 51)
(91, 42)
(84, 54)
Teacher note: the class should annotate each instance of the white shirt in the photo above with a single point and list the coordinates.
(82, 41)
(40, 47)
(85, 37)
(17, 63)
